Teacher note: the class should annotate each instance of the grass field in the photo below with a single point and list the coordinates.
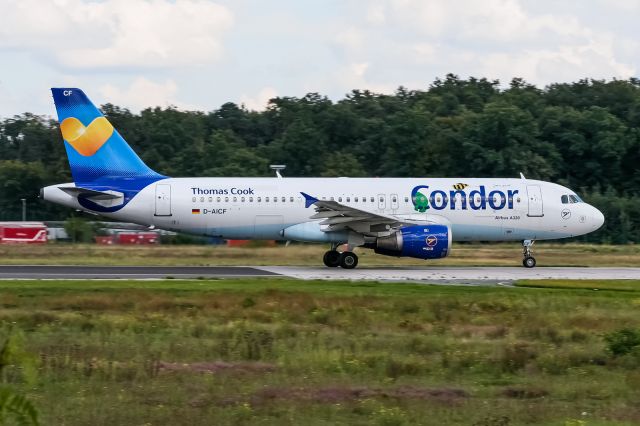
(547, 254)
(279, 351)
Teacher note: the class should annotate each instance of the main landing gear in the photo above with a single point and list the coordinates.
(346, 259)
(529, 261)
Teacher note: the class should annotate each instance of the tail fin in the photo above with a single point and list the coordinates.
(96, 151)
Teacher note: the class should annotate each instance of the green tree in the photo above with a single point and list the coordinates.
(79, 230)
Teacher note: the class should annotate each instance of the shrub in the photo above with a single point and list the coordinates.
(622, 342)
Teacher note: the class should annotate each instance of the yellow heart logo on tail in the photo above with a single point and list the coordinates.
(86, 140)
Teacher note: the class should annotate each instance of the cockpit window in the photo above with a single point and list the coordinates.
(570, 199)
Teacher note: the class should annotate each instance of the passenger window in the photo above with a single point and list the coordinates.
(406, 199)
(266, 199)
(251, 199)
(211, 199)
(340, 199)
(394, 200)
(202, 199)
(275, 199)
(372, 199)
(235, 199)
(355, 199)
(348, 199)
(242, 199)
(565, 199)
(259, 199)
(193, 199)
(284, 199)
(218, 199)
(226, 199)
(291, 199)
(332, 199)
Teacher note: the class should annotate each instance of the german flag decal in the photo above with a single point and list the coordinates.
(195, 211)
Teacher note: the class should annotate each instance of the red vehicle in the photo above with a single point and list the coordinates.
(23, 233)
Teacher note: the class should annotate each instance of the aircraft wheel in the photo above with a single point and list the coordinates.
(331, 259)
(348, 260)
(529, 262)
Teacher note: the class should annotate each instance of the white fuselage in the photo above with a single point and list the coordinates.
(261, 208)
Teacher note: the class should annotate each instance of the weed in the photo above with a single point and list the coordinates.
(622, 342)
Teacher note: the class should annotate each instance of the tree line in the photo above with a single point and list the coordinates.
(585, 135)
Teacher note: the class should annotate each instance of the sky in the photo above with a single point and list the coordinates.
(199, 54)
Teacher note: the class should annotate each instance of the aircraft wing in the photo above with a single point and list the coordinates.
(338, 216)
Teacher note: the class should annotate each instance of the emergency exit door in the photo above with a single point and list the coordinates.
(534, 195)
(163, 200)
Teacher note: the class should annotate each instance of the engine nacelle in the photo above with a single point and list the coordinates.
(421, 241)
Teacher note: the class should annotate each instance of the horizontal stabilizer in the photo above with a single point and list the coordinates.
(92, 193)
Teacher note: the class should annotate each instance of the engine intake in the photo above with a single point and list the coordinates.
(420, 241)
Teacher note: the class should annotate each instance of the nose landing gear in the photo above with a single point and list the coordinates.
(529, 261)
(346, 259)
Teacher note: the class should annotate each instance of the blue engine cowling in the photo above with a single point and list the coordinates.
(421, 241)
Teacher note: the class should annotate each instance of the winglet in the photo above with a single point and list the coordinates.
(308, 200)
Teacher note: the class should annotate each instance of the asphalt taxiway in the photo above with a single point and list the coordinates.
(127, 272)
(454, 275)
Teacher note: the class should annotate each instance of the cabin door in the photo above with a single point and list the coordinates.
(163, 199)
(534, 195)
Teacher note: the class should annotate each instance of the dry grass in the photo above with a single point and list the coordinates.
(280, 351)
(504, 254)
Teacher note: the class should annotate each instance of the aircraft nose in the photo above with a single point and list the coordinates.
(598, 219)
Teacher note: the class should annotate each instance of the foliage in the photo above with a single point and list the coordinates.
(622, 342)
(79, 229)
(16, 408)
(585, 135)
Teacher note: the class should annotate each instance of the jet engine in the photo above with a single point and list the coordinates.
(421, 241)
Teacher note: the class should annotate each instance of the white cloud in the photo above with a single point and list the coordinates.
(116, 33)
(376, 14)
(495, 20)
(143, 93)
(260, 101)
(405, 41)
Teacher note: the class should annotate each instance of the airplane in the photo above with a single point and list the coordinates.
(401, 217)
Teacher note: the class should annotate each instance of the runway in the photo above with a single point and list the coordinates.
(456, 274)
(443, 275)
(128, 272)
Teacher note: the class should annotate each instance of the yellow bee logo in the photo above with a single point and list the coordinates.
(459, 186)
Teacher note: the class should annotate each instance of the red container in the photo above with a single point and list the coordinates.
(137, 238)
(105, 240)
(23, 233)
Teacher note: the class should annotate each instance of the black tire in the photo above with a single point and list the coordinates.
(529, 262)
(348, 260)
(331, 259)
